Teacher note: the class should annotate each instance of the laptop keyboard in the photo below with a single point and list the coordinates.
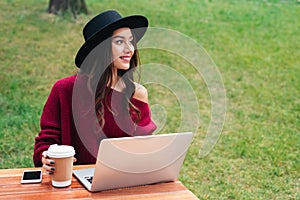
(89, 178)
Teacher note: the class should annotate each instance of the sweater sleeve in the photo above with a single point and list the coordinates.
(145, 125)
(50, 124)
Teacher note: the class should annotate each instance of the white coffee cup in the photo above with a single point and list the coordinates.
(63, 157)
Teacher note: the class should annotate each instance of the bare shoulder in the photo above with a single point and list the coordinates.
(140, 93)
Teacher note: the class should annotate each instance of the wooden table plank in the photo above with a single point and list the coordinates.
(81, 194)
(11, 188)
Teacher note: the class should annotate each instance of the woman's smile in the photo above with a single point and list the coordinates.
(125, 59)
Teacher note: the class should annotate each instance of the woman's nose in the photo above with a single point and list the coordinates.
(128, 47)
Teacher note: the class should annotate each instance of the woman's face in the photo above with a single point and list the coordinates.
(122, 48)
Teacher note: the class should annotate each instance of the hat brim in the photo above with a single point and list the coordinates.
(137, 23)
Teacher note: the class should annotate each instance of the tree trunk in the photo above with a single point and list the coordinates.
(62, 6)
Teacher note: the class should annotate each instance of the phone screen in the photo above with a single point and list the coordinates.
(32, 176)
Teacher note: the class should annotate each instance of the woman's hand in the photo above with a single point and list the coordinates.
(48, 164)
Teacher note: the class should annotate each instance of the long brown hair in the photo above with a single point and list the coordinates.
(99, 70)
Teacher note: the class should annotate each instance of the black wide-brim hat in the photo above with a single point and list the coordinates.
(102, 26)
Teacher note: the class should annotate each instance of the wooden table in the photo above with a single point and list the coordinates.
(11, 188)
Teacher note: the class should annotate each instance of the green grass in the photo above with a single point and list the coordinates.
(255, 45)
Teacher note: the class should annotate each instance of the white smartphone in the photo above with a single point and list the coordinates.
(32, 176)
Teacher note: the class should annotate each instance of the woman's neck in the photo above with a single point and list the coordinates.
(116, 82)
(114, 77)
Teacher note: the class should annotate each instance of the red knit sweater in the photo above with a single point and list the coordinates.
(68, 122)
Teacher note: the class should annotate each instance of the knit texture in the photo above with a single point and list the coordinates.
(68, 122)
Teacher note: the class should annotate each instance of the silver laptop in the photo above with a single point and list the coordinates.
(133, 161)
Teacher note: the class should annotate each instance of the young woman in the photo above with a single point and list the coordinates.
(102, 100)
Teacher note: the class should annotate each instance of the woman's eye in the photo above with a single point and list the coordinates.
(119, 42)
